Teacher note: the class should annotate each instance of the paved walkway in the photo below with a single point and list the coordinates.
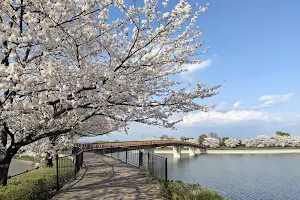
(108, 178)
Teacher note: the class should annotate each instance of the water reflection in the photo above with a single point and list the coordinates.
(182, 159)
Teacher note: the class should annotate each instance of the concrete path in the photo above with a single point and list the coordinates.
(108, 178)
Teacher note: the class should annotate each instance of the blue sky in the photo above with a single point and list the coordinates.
(254, 47)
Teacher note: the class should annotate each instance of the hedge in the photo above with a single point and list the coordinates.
(37, 184)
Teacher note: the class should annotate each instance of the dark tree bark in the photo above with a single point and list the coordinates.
(4, 166)
(5, 161)
(6, 153)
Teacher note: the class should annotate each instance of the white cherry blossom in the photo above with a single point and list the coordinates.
(232, 142)
(72, 68)
(273, 141)
(211, 142)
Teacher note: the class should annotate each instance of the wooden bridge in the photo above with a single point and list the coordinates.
(146, 145)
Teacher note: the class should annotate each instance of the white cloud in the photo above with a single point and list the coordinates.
(234, 123)
(273, 100)
(195, 67)
(217, 118)
(214, 118)
(276, 97)
(237, 104)
(221, 106)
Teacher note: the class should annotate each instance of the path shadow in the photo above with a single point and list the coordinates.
(108, 178)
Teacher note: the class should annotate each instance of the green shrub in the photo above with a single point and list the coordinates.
(177, 190)
(37, 184)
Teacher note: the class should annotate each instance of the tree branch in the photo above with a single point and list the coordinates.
(5, 59)
(21, 17)
(6, 97)
(31, 139)
(11, 135)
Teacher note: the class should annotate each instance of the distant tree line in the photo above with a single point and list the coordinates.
(281, 139)
(282, 133)
(213, 140)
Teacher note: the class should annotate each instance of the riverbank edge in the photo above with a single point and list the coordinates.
(181, 190)
(234, 151)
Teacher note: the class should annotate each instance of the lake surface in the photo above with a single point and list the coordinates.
(18, 166)
(241, 177)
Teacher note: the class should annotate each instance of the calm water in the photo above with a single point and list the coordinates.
(18, 166)
(255, 177)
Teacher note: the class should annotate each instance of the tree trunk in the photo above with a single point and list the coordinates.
(4, 166)
(5, 160)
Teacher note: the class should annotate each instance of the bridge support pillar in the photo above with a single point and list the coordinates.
(192, 151)
(150, 150)
(177, 151)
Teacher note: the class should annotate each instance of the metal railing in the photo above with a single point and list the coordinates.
(65, 170)
(155, 165)
(68, 166)
(130, 152)
(65, 167)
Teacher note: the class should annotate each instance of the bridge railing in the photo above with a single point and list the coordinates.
(132, 144)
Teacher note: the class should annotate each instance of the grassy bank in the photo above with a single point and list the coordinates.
(177, 190)
(37, 184)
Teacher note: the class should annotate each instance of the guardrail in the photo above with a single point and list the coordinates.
(155, 165)
(68, 166)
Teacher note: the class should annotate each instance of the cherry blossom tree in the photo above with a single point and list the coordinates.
(83, 68)
(211, 142)
(232, 142)
(273, 141)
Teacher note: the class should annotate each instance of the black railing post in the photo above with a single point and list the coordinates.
(126, 155)
(166, 169)
(57, 178)
(148, 160)
(75, 166)
(110, 150)
(81, 159)
(140, 158)
(152, 164)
